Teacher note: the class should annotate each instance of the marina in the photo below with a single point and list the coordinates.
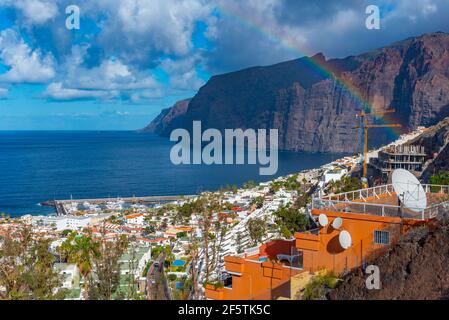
(71, 206)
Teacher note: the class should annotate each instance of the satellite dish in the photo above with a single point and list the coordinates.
(323, 220)
(337, 223)
(409, 190)
(345, 239)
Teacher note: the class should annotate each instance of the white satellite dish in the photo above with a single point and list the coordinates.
(409, 190)
(337, 223)
(323, 220)
(345, 239)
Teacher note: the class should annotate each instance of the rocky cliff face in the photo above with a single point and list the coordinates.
(414, 269)
(167, 116)
(305, 99)
(436, 141)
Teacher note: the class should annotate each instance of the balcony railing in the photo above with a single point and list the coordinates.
(249, 252)
(363, 201)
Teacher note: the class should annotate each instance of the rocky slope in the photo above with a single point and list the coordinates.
(436, 141)
(414, 269)
(163, 120)
(305, 100)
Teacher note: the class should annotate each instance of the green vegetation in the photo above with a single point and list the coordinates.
(238, 242)
(216, 284)
(258, 202)
(150, 229)
(302, 201)
(290, 184)
(107, 270)
(80, 250)
(66, 232)
(249, 185)
(442, 179)
(289, 220)
(4, 218)
(90, 254)
(147, 267)
(26, 271)
(181, 235)
(114, 220)
(317, 287)
(346, 184)
(183, 291)
(172, 277)
(257, 229)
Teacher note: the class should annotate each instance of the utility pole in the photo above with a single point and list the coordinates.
(365, 126)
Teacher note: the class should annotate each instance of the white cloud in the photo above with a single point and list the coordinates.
(143, 95)
(36, 12)
(171, 22)
(56, 91)
(182, 72)
(109, 75)
(111, 79)
(136, 36)
(25, 65)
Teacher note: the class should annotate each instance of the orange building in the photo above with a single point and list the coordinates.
(373, 219)
(257, 275)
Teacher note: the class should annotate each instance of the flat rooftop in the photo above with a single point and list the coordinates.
(383, 201)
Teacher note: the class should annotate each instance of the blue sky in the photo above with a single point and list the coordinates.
(132, 58)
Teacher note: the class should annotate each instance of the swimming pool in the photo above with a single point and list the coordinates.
(178, 263)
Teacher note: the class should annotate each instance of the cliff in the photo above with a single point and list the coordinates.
(167, 116)
(306, 101)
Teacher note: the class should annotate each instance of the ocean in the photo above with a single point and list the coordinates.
(36, 166)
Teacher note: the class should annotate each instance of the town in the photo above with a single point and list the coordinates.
(261, 241)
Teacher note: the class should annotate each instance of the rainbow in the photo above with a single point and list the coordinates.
(318, 66)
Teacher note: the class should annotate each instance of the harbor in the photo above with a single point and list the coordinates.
(71, 206)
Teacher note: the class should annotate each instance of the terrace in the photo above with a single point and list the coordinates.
(383, 201)
(279, 252)
(258, 273)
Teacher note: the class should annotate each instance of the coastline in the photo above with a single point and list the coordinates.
(312, 175)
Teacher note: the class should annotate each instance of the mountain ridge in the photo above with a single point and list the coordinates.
(309, 108)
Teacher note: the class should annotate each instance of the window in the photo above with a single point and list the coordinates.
(381, 237)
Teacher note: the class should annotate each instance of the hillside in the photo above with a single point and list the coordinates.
(308, 106)
(436, 141)
(415, 269)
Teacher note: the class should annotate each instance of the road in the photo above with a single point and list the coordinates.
(157, 284)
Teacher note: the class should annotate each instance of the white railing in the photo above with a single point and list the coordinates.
(252, 251)
(360, 201)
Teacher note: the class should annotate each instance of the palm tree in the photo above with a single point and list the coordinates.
(81, 250)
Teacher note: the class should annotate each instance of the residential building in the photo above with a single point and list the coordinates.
(136, 219)
(371, 217)
(335, 174)
(408, 157)
(70, 275)
(60, 223)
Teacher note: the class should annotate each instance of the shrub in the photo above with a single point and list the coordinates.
(317, 287)
(217, 284)
(172, 277)
(442, 179)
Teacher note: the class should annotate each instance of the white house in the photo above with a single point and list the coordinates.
(70, 275)
(335, 174)
(137, 219)
(135, 260)
(67, 222)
